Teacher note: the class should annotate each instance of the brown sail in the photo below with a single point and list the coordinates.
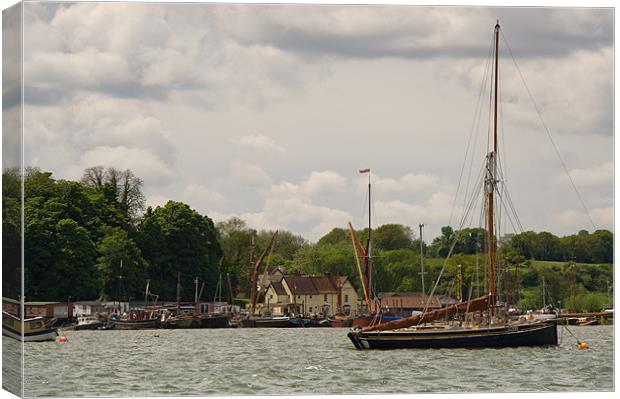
(474, 305)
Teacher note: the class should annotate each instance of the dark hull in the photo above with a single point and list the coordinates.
(535, 334)
(365, 321)
(135, 324)
(88, 326)
(215, 322)
(270, 323)
(189, 322)
(339, 323)
(274, 323)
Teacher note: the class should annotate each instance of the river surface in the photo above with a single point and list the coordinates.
(302, 361)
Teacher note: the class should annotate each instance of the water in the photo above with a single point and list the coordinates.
(301, 361)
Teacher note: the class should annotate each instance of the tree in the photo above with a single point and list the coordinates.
(122, 187)
(236, 239)
(175, 238)
(336, 236)
(122, 268)
(441, 245)
(287, 243)
(393, 236)
(601, 247)
(11, 233)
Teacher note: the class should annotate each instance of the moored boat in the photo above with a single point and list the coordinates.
(87, 323)
(494, 336)
(496, 331)
(29, 330)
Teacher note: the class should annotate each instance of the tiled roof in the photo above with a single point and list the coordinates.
(301, 285)
(408, 300)
(278, 287)
(324, 285)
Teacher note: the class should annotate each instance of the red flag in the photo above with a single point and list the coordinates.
(367, 170)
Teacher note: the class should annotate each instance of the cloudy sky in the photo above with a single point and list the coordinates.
(267, 112)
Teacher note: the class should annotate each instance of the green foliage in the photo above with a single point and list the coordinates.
(11, 233)
(176, 238)
(122, 268)
(392, 236)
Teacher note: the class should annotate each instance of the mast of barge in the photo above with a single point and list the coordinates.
(490, 184)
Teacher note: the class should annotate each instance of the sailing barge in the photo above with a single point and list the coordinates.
(411, 332)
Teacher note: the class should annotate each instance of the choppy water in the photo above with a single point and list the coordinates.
(301, 361)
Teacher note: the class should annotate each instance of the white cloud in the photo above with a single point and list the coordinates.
(258, 142)
(577, 220)
(323, 182)
(202, 198)
(157, 200)
(141, 162)
(249, 173)
(597, 175)
(405, 184)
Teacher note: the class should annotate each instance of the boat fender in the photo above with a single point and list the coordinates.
(583, 345)
(63, 339)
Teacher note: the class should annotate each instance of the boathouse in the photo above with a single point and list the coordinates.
(404, 303)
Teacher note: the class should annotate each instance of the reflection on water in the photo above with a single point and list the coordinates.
(301, 361)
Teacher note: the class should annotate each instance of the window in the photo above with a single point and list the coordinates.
(310, 296)
(310, 309)
(346, 297)
(270, 296)
(35, 324)
(324, 297)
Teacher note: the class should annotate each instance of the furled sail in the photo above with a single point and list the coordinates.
(474, 305)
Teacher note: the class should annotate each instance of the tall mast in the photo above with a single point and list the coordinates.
(367, 257)
(490, 183)
(146, 294)
(196, 290)
(422, 259)
(369, 246)
(178, 292)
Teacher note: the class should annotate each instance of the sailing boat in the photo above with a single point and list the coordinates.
(373, 314)
(139, 320)
(410, 332)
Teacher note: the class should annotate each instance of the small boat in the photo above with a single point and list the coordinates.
(30, 330)
(271, 322)
(215, 320)
(88, 323)
(340, 323)
(301, 322)
(588, 321)
(135, 321)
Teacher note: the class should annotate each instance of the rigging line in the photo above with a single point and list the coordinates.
(514, 211)
(507, 213)
(555, 147)
(443, 267)
(475, 123)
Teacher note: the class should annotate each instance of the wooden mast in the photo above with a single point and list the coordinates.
(491, 162)
(369, 248)
(178, 293)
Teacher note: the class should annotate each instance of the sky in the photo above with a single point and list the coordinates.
(267, 112)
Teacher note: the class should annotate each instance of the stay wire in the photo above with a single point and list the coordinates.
(474, 125)
(555, 147)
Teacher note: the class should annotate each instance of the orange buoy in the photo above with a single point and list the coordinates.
(63, 339)
(583, 345)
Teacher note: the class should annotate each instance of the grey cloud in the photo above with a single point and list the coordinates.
(537, 32)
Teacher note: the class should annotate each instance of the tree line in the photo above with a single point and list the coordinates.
(94, 238)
